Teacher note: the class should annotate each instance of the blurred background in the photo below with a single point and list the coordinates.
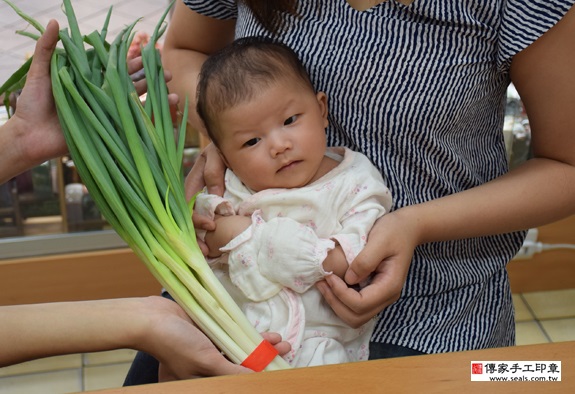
(51, 198)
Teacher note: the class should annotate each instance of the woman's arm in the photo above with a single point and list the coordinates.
(190, 38)
(539, 192)
(154, 325)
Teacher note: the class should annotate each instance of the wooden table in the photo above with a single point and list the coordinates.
(440, 373)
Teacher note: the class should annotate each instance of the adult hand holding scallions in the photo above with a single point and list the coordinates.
(128, 157)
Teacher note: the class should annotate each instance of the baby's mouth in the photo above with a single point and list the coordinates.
(289, 165)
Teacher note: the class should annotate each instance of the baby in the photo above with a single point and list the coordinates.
(293, 211)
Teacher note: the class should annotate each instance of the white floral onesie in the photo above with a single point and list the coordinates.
(271, 267)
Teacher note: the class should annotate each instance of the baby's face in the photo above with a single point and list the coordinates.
(276, 140)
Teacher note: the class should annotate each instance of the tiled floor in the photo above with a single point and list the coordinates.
(545, 316)
(67, 374)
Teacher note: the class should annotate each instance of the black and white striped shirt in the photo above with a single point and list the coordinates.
(421, 90)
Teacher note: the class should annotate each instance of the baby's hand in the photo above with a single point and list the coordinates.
(227, 228)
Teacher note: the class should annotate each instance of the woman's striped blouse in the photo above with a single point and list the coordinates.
(421, 90)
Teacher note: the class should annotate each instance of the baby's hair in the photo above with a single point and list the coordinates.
(236, 73)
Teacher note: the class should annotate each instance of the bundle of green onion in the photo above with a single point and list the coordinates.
(127, 155)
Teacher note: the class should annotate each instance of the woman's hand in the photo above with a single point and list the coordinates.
(209, 171)
(387, 257)
(183, 350)
(33, 134)
(38, 136)
(35, 110)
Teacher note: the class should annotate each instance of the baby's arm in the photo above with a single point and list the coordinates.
(227, 228)
(274, 254)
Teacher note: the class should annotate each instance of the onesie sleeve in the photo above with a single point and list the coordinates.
(275, 254)
(368, 199)
(209, 205)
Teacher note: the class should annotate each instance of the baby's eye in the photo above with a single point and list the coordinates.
(290, 120)
(252, 142)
